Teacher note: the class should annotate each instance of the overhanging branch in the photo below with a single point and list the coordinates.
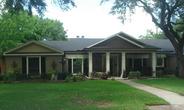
(148, 10)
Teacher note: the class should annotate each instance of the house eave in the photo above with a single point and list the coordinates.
(36, 42)
(34, 54)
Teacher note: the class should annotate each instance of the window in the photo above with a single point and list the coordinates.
(160, 62)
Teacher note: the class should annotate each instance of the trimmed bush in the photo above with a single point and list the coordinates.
(134, 74)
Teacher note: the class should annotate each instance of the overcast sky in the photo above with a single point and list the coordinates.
(93, 20)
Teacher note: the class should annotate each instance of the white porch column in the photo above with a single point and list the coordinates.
(27, 65)
(154, 62)
(66, 67)
(82, 66)
(123, 63)
(72, 65)
(40, 65)
(90, 63)
(107, 62)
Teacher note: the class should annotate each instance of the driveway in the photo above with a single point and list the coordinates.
(176, 100)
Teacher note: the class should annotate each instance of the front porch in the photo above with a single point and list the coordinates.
(119, 64)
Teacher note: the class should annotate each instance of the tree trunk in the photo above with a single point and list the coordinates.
(180, 63)
(178, 46)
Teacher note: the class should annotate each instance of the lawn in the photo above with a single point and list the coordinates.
(171, 83)
(86, 95)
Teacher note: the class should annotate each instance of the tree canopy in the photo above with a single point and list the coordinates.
(15, 6)
(20, 28)
(165, 14)
(152, 35)
(179, 27)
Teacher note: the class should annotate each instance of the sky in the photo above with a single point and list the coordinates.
(92, 20)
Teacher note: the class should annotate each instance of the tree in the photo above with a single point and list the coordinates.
(165, 14)
(15, 6)
(47, 29)
(152, 35)
(20, 28)
(179, 27)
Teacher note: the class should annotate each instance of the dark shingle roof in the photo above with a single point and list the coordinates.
(164, 44)
(72, 44)
(75, 44)
(136, 40)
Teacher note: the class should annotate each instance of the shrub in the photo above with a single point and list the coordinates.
(75, 78)
(160, 73)
(20, 76)
(62, 75)
(170, 71)
(95, 74)
(80, 77)
(52, 75)
(100, 75)
(45, 76)
(9, 76)
(1, 77)
(68, 79)
(134, 74)
(104, 76)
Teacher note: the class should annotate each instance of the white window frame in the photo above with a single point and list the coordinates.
(163, 62)
(27, 64)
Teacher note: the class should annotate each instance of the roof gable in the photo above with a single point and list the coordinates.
(33, 47)
(115, 43)
(120, 41)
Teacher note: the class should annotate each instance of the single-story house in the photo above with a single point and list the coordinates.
(115, 55)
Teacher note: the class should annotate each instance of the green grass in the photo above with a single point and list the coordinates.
(86, 95)
(171, 83)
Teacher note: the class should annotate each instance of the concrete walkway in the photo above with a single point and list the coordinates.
(176, 100)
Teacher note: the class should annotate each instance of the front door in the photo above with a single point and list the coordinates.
(137, 65)
(33, 66)
(115, 65)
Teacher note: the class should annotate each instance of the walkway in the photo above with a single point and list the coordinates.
(176, 100)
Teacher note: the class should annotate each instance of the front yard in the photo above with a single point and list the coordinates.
(86, 95)
(171, 83)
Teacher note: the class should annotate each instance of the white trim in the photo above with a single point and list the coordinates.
(82, 66)
(154, 63)
(119, 37)
(40, 65)
(75, 56)
(72, 65)
(36, 42)
(123, 63)
(130, 41)
(107, 62)
(163, 62)
(27, 66)
(102, 41)
(31, 54)
(90, 63)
